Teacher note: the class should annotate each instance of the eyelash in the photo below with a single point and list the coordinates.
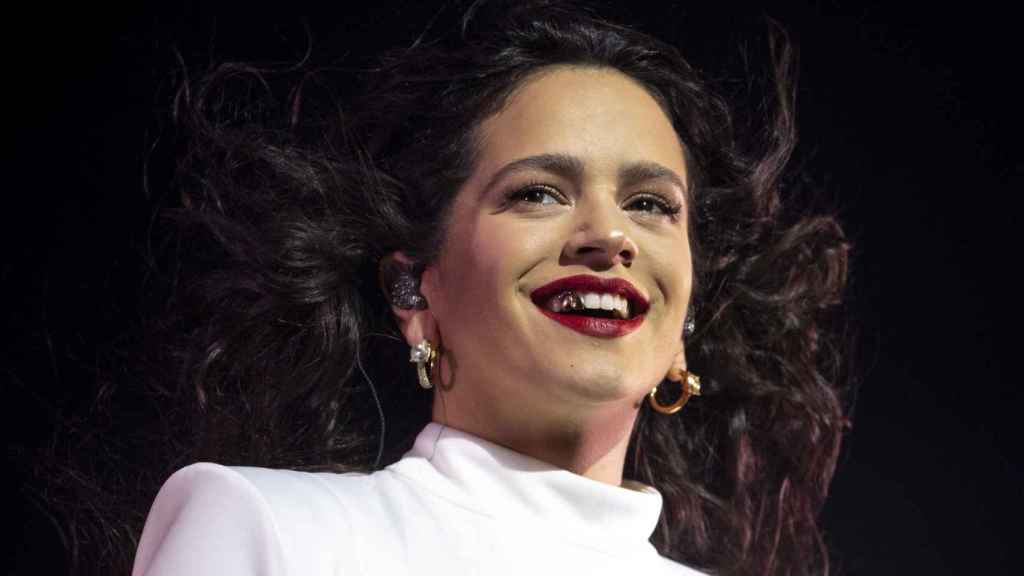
(666, 207)
(519, 194)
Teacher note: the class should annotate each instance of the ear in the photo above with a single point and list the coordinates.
(400, 282)
(675, 372)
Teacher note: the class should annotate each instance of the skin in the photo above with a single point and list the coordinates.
(514, 376)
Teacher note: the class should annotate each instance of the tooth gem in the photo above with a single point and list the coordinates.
(570, 301)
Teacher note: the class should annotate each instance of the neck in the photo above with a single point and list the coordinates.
(591, 443)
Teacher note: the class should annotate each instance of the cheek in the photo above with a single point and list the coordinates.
(500, 250)
(478, 269)
(674, 272)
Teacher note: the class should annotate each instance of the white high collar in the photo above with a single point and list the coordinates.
(490, 479)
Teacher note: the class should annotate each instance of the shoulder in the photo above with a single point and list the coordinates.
(213, 519)
(208, 519)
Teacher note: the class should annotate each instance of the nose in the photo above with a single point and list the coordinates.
(600, 239)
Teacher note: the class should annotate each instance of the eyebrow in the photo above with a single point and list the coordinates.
(572, 168)
(638, 172)
(564, 165)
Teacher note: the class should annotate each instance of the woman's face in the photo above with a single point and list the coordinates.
(580, 175)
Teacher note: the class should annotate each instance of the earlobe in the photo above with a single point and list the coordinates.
(678, 368)
(416, 325)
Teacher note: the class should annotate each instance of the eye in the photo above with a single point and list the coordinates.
(536, 194)
(654, 204)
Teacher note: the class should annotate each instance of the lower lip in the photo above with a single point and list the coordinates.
(597, 327)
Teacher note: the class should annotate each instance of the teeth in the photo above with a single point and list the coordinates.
(565, 301)
(571, 301)
(591, 300)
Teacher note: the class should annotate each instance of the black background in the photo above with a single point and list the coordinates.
(908, 116)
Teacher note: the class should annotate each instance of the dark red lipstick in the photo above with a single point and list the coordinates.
(591, 326)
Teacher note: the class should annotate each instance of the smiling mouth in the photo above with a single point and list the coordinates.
(590, 304)
(599, 307)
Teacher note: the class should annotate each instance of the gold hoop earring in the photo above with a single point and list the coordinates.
(424, 356)
(691, 387)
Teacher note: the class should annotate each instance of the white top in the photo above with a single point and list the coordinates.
(453, 505)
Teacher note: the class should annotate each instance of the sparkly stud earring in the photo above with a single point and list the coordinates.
(691, 387)
(689, 325)
(424, 356)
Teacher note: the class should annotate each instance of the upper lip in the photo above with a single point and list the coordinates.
(638, 304)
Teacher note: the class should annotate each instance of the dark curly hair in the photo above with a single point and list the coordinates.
(280, 334)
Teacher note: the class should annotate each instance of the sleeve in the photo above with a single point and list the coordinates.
(208, 519)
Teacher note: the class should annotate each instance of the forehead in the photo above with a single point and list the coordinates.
(597, 114)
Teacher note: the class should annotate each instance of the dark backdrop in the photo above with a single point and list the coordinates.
(909, 117)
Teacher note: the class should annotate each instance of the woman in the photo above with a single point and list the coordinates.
(555, 215)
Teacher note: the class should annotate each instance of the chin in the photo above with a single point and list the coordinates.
(603, 382)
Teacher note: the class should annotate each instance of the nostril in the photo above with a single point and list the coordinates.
(612, 247)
